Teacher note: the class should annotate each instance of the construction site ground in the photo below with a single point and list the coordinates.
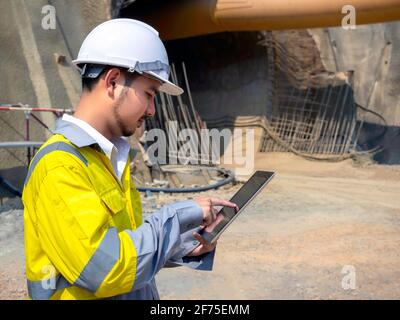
(293, 242)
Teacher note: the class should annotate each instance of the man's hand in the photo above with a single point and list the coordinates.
(209, 217)
(209, 211)
(203, 247)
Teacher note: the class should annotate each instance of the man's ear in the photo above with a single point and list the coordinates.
(111, 79)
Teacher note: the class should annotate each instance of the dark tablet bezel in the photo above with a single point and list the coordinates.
(268, 175)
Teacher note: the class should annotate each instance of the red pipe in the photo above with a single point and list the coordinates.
(20, 107)
(27, 136)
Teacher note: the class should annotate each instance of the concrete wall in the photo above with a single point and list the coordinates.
(373, 52)
(30, 73)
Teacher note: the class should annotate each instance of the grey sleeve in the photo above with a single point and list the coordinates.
(188, 243)
(159, 238)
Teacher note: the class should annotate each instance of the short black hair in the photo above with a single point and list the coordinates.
(89, 83)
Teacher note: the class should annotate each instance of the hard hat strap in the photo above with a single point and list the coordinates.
(151, 66)
(93, 70)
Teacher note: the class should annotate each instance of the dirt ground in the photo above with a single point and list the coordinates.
(297, 240)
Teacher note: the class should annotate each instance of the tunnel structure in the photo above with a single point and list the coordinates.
(230, 50)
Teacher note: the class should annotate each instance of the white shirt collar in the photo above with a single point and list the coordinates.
(105, 144)
(116, 150)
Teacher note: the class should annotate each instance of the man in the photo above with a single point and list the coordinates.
(84, 236)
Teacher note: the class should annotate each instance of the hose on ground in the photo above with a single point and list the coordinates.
(216, 185)
(9, 187)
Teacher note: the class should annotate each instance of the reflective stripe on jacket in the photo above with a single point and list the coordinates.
(84, 236)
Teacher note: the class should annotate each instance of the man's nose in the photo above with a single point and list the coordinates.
(151, 109)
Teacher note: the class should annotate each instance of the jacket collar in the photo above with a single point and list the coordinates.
(74, 133)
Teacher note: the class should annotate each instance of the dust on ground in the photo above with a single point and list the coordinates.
(301, 238)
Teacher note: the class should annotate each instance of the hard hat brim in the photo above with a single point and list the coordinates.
(166, 86)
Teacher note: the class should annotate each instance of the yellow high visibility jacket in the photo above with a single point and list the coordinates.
(84, 236)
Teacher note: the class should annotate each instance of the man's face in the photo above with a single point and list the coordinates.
(134, 104)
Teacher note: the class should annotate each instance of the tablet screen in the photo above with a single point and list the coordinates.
(241, 198)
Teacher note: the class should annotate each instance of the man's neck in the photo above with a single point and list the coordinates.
(86, 112)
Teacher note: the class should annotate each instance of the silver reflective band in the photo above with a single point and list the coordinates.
(56, 146)
(101, 263)
(37, 292)
(151, 66)
(74, 133)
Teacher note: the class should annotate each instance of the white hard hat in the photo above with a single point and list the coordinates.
(130, 44)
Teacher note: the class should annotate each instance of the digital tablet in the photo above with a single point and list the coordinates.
(241, 198)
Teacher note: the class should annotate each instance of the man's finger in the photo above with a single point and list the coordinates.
(199, 238)
(214, 213)
(210, 203)
(220, 202)
(204, 243)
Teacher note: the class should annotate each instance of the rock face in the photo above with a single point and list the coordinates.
(230, 74)
(372, 52)
(32, 71)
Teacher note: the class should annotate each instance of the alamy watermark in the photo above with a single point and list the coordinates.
(349, 280)
(49, 21)
(49, 282)
(188, 147)
(349, 20)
